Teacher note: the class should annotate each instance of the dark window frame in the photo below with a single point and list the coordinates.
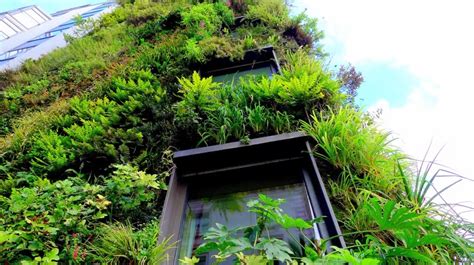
(253, 59)
(294, 148)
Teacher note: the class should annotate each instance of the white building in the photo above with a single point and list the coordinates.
(29, 33)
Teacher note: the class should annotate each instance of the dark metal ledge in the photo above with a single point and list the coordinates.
(264, 150)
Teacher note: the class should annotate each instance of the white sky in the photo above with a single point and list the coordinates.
(434, 41)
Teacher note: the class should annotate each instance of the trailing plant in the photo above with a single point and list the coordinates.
(350, 141)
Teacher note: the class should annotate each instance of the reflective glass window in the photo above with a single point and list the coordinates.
(235, 77)
(231, 210)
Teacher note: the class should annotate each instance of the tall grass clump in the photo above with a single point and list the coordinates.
(122, 244)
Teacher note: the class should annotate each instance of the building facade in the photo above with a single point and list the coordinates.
(29, 32)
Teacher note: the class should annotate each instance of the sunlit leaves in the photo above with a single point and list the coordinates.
(391, 217)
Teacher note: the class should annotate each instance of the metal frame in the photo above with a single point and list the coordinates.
(293, 149)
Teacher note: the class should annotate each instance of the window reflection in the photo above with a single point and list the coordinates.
(234, 78)
(231, 210)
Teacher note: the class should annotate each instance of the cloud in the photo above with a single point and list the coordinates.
(432, 40)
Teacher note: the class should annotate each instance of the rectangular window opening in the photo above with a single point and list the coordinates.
(214, 184)
(258, 62)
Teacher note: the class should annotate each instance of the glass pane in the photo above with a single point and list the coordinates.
(6, 29)
(234, 77)
(25, 20)
(35, 16)
(231, 210)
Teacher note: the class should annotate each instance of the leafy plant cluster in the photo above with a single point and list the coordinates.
(365, 167)
(411, 239)
(61, 217)
(87, 133)
(62, 73)
(256, 106)
(123, 244)
(103, 129)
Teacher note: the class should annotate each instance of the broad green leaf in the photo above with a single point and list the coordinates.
(288, 222)
(275, 249)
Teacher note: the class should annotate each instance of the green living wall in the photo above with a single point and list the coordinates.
(87, 134)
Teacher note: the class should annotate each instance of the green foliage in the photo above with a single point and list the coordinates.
(198, 94)
(51, 151)
(128, 187)
(222, 47)
(38, 221)
(194, 51)
(122, 244)
(202, 20)
(109, 107)
(350, 141)
(102, 127)
(230, 243)
(255, 105)
(273, 13)
(413, 241)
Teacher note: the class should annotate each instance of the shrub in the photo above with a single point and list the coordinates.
(222, 47)
(38, 222)
(51, 152)
(202, 20)
(128, 188)
(273, 13)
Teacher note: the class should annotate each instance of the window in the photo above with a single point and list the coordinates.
(35, 16)
(25, 20)
(213, 184)
(202, 213)
(3, 36)
(7, 29)
(255, 62)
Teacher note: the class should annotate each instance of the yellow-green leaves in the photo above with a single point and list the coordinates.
(199, 93)
(189, 261)
(202, 20)
(349, 141)
(273, 13)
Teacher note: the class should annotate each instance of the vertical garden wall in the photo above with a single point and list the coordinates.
(87, 135)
